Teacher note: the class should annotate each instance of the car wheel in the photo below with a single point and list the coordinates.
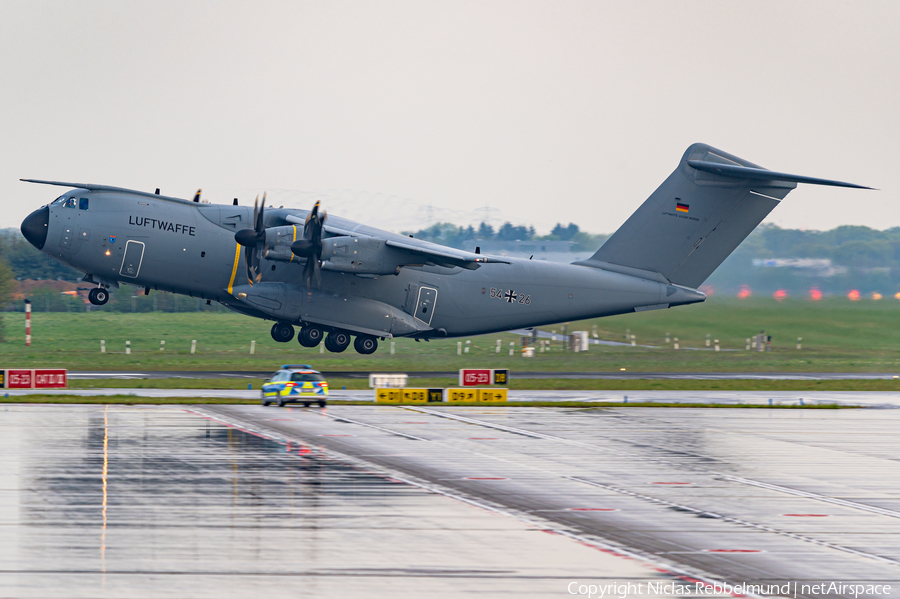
(266, 403)
(305, 404)
(280, 403)
(365, 344)
(322, 403)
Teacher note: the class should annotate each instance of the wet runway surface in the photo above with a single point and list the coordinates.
(151, 501)
(213, 501)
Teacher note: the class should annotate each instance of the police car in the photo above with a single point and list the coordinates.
(295, 383)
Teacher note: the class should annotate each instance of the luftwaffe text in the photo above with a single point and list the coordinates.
(162, 225)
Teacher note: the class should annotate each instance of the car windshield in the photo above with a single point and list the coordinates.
(300, 377)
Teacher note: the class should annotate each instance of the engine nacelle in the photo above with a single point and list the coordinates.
(361, 255)
(278, 243)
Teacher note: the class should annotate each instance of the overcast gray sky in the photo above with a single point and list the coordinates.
(546, 111)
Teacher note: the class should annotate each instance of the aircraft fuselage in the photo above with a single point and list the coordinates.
(189, 248)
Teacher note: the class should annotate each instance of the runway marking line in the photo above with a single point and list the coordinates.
(650, 561)
(737, 521)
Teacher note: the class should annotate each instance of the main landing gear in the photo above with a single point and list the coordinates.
(282, 332)
(365, 344)
(337, 341)
(310, 336)
(98, 296)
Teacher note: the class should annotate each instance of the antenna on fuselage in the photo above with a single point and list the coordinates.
(235, 202)
(157, 191)
(197, 195)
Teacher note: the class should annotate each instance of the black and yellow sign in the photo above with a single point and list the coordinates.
(476, 395)
(501, 377)
(492, 395)
(408, 395)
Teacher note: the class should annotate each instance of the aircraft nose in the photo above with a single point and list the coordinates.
(34, 227)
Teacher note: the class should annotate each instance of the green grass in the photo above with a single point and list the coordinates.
(838, 335)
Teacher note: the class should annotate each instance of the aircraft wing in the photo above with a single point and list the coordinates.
(418, 251)
(442, 255)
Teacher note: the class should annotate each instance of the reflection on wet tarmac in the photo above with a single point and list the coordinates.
(119, 501)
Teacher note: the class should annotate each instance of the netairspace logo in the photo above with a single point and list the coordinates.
(789, 589)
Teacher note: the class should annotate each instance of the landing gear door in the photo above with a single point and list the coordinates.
(134, 255)
(425, 305)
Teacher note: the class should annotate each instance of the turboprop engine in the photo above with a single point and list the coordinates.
(352, 254)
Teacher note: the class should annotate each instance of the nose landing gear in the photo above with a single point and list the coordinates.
(98, 296)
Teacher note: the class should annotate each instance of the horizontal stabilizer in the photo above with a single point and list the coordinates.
(745, 172)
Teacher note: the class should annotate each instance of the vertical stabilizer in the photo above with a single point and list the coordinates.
(697, 217)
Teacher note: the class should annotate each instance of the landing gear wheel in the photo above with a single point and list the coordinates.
(365, 344)
(321, 403)
(98, 296)
(282, 332)
(337, 341)
(310, 336)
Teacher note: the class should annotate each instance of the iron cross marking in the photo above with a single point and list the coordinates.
(510, 296)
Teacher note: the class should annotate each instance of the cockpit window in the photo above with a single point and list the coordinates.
(59, 199)
(82, 203)
(69, 203)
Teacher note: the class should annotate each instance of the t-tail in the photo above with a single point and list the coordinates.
(697, 217)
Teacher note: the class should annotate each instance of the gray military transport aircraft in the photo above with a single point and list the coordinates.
(344, 278)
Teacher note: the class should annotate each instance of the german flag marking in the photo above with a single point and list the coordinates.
(679, 207)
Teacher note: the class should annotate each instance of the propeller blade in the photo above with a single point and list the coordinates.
(248, 261)
(260, 223)
(310, 246)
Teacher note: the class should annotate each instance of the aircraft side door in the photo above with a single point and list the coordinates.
(426, 303)
(131, 262)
